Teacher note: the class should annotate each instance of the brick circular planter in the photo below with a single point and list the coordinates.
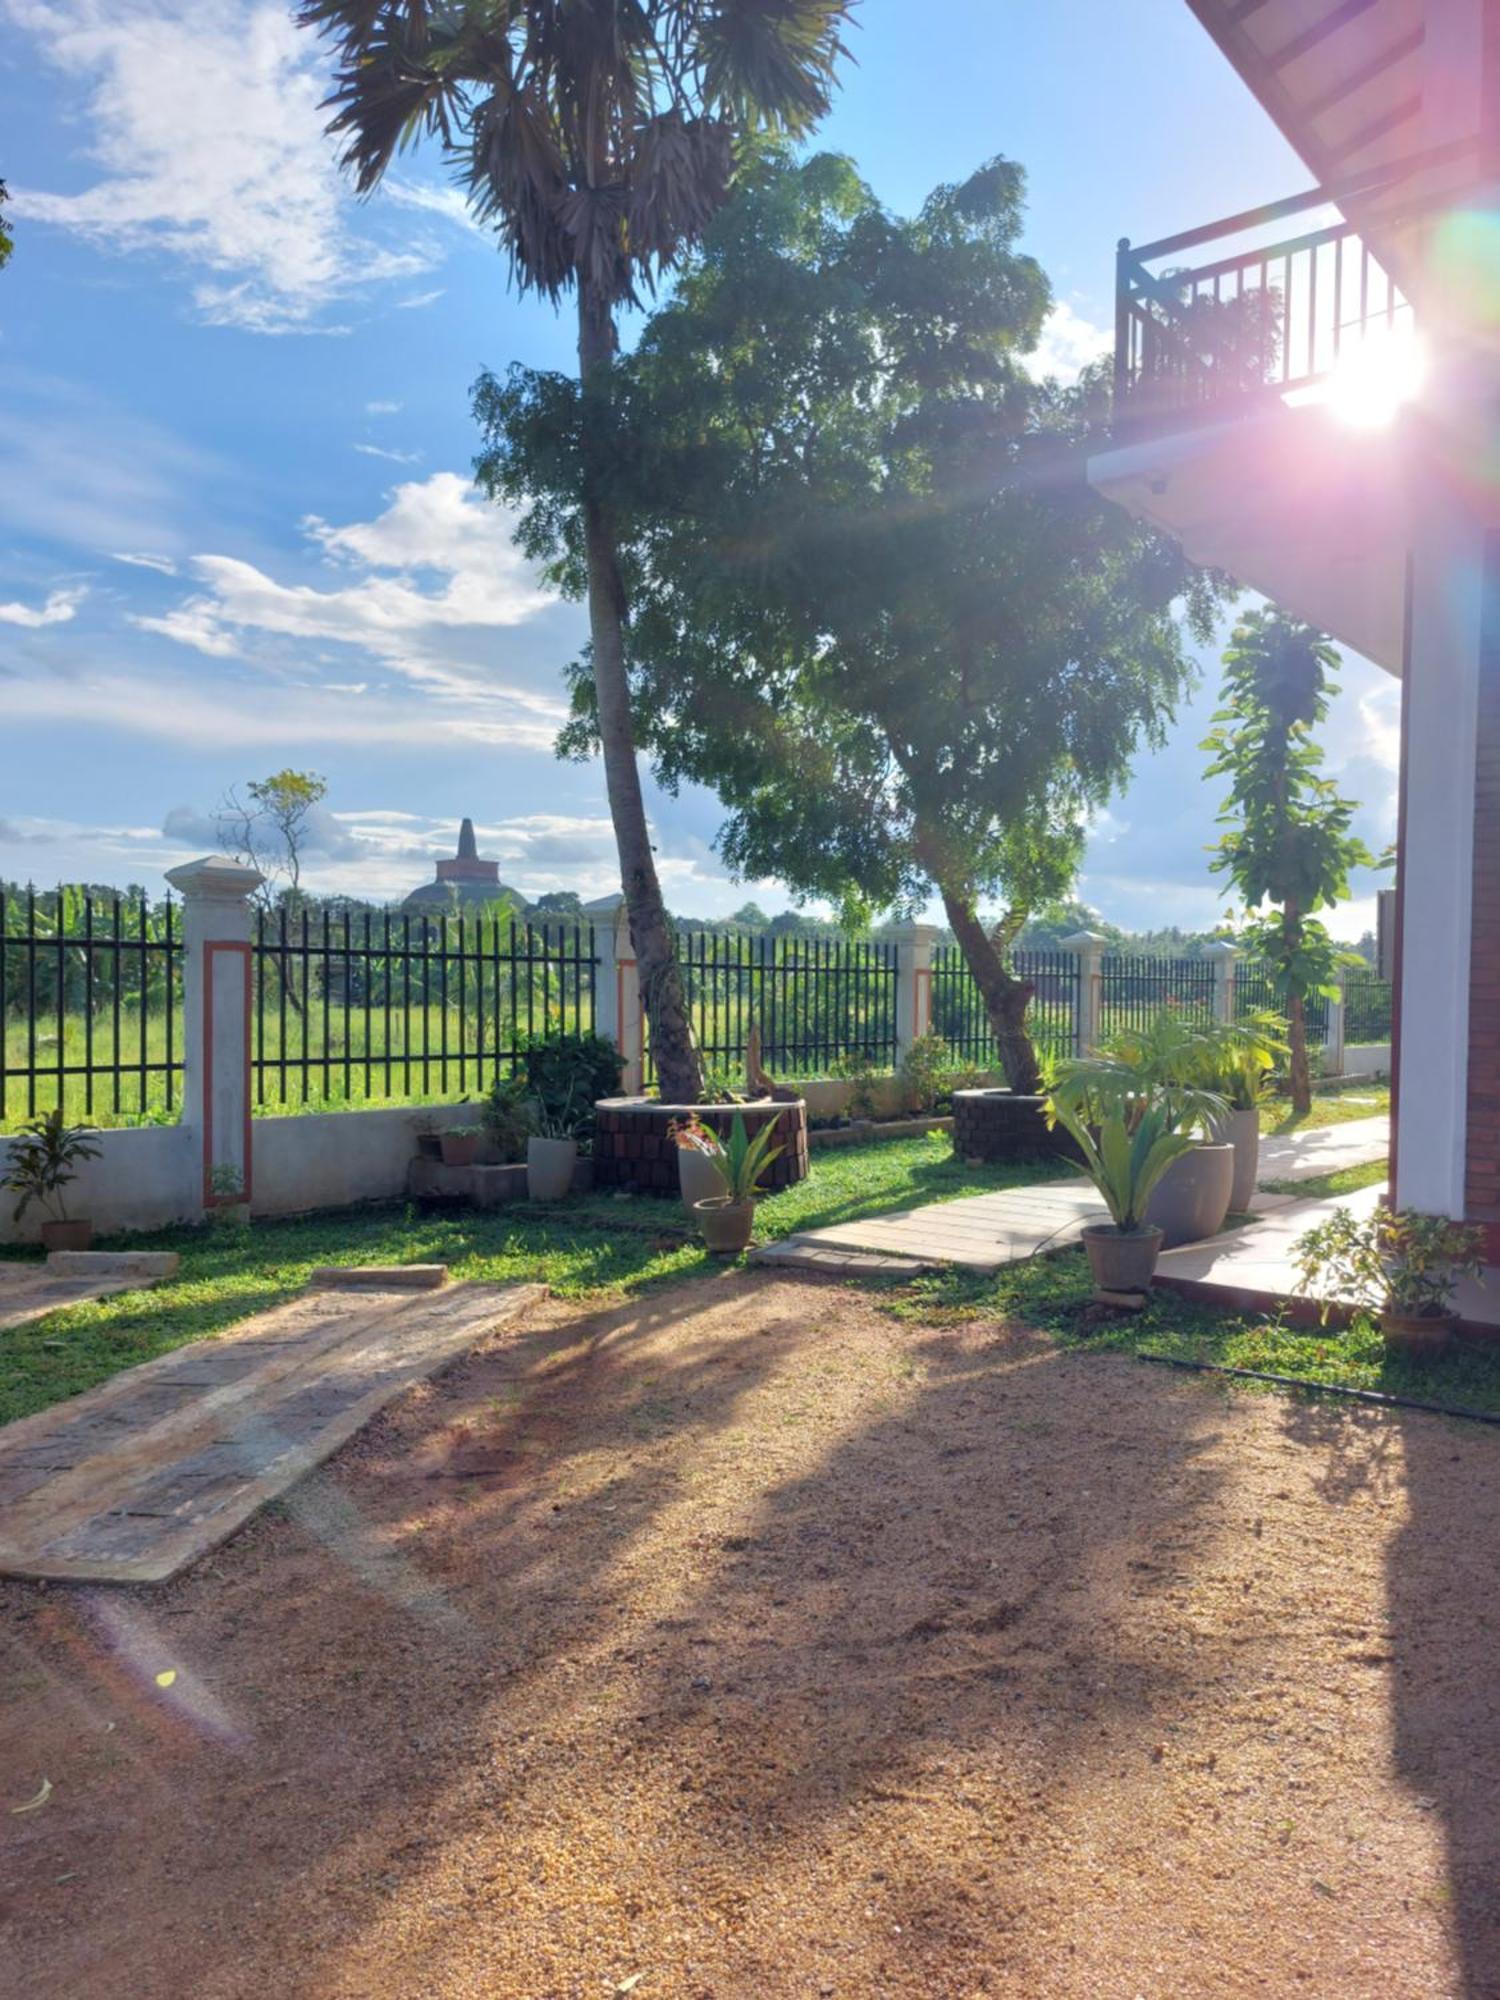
(997, 1125)
(632, 1149)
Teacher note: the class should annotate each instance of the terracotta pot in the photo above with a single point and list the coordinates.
(1241, 1129)
(549, 1168)
(699, 1177)
(1424, 1336)
(726, 1224)
(1122, 1260)
(1191, 1199)
(461, 1149)
(67, 1235)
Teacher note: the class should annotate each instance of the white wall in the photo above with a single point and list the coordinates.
(145, 1176)
(330, 1159)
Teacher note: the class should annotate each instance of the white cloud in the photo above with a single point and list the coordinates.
(381, 409)
(61, 605)
(448, 202)
(420, 299)
(205, 122)
(396, 457)
(1068, 344)
(163, 564)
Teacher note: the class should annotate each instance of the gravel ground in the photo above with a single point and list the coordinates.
(745, 1641)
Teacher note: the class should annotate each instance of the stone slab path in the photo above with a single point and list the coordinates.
(28, 1291)
(984, 1232)
(1315, 1150)
(139, 1477)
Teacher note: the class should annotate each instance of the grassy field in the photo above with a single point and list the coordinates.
(597, 1244)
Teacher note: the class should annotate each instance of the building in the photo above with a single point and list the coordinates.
(1306, 396)
(466, 879)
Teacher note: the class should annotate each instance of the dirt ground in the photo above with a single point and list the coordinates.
(746, 1641)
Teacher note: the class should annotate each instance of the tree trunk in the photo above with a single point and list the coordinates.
(1300, 1067)
(1005, 997)
(678, 1069)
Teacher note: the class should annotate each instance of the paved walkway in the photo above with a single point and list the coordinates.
(1315, 1150)
(982, 1233)
(137, 1478)
(27, 1291)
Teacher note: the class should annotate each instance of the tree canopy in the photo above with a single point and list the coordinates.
(876, 605)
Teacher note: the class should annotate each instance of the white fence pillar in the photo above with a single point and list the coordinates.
(1337, 1033)
(914, 944)
(216, 988)
(618, 1014)
(1225, 958)
(1088, 1008)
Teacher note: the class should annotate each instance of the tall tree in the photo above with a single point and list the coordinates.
(598, 137)
(877, 606)
(1288, 844)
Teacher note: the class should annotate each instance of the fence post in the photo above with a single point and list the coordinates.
(1334, 1039)
(1088, 1003)
(216, 988)
(914, 944)
(617, 990)
(1225, 957)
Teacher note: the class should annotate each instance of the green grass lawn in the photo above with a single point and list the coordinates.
(596, 1244)
(1053, 1294)
(1329, 1107)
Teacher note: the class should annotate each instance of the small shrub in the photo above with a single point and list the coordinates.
(861, 1075)
(44, 1157)
(507, 1118)
(924, 1072)
(565, 1075)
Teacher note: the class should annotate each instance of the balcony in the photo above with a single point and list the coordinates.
(1267, 317)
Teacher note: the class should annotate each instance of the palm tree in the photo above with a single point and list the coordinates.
(598, 137)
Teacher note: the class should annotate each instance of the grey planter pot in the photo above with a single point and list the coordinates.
(549, 1168)
(1241, 1129)
(699, 1178)
(1121, 1260)
(1191, 1199)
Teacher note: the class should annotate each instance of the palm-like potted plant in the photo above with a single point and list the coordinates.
(44, 1158)
(1178, 1051)
(1399, 1264)
(1239, 1058)
(1128, 1136)
(727, 1219)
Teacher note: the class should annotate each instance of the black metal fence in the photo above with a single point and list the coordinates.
(820, 1002)
(1133, 989)
(366, 1007)
(958, 1010)
(90, 1007)
(1367, 1008)
(1255, 992)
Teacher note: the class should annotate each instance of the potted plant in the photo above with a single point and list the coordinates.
(228, 1208)
(1177, 1052)
(552, 1149)
(429, 1139)
(567, 1074)
(1399, 1264)
(699, 1151)
(1239, 1058)
(727, 1219)
(460, 1145)
(1127, 1136)
(44, 1157)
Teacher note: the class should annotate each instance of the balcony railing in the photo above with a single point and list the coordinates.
(1266, 315)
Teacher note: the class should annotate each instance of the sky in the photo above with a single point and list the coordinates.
(237, 524)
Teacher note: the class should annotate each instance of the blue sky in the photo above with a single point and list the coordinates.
(236, 524)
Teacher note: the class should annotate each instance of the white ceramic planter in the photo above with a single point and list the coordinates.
(1241, 1129)
(1191, 1199)
(549, 1168)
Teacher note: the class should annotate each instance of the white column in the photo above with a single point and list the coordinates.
(1440, 734)
(216, 985)
(1336, 1037)
(914, 944)
(1088, 1011)
(617, 990)
(1225, 957)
